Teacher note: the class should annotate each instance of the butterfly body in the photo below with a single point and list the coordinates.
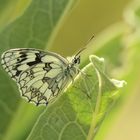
(40, 75)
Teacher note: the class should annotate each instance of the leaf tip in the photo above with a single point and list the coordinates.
(97, 62)
(94, 58)
(118, 83)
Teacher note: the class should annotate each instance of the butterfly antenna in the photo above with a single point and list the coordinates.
(89, 40)
(85, 46)
(80, 51)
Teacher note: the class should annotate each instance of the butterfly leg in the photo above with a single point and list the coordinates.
(72, 79)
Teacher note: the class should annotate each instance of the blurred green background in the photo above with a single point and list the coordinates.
(87, 18)
(115, 24)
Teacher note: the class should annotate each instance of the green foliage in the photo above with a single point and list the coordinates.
(129, 68)
(79, 112)
(9, 10)
(26, 31)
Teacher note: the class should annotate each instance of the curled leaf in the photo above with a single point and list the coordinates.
(78, 113)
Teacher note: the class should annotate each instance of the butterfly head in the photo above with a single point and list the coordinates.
(73, 65)
(75, 60)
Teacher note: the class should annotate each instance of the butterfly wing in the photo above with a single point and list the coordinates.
(40, 75)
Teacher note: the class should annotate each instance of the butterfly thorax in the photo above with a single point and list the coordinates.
(70, 71)
(72, 68)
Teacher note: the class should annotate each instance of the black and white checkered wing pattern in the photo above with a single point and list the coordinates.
(39, 74)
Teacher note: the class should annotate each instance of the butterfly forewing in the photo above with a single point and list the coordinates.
(39, 75)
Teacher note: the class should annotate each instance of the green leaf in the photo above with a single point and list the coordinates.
(15, 8)
(36, 27)
(78, 113)
(110, 44)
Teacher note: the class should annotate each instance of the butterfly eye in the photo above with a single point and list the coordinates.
(75, 60)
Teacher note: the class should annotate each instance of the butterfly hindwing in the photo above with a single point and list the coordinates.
(39, 74)
(41, 86)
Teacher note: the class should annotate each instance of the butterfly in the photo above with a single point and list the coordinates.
(41, 76)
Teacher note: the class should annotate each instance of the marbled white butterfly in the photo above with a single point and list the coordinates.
(40, 75)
